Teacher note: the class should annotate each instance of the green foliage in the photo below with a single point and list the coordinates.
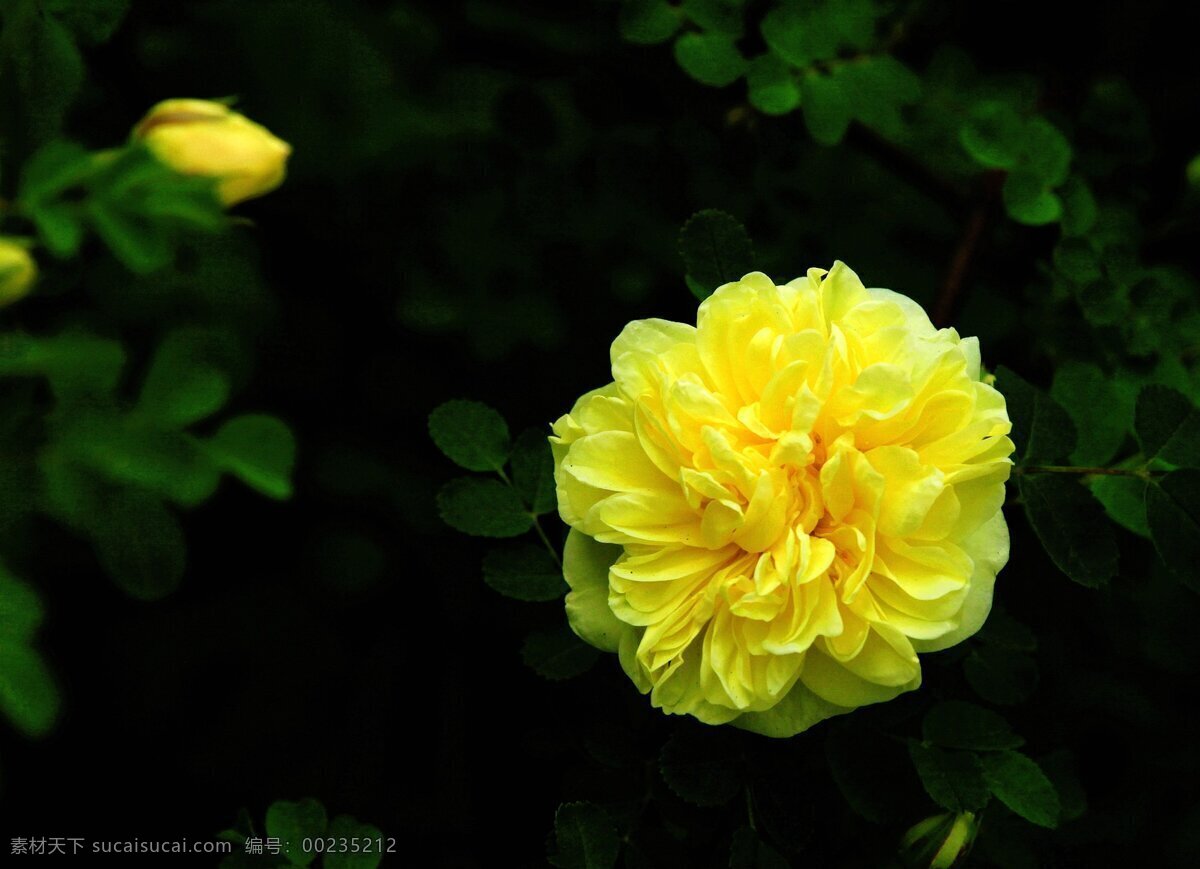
(748, 851)
(710, 58)
(1124, 501)
(28, 695)
(557, 654)
(1065, 515)
(260, 450)
(953, 779)
(524, 571)
(648, 22)
(292, 822)
(771, 85)
(483, 508)
(702, 765)
(1100, 411)
(584, 838)
(1042, 431)
(346, 827)
(1000, 676)
(140, 208)
(1020, 784)
(956, 724)
(716, 250)
(1168, 426)
(533, 472)
(139, 543)
(470, 434)
(1173, 518)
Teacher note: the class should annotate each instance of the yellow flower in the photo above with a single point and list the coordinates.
(939, 842)
(773, 512)
(199, 137)
(18, 271)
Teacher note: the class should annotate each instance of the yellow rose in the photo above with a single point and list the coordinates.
(199, 137)
(18, 271)
(774, 511)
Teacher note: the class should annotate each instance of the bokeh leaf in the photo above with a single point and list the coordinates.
(260, 450)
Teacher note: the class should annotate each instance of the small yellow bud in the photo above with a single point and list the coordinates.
(200, 137)
(18, 271)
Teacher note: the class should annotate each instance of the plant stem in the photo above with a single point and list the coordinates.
(1143, 473)
(537, 526)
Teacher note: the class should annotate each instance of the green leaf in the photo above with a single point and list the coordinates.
(584, 838)
(702, 765)
(648, 22)
(1101, 414)
(724, 16)
(799, 35)
(557, 654)
(993, 134)
(1079, 207)
(1124, 501)
(181, 386)
(53, 169)
(1042, 430)
(28, 695)
(524, 572)
(748, 851)
(483, 508)
(259, 450)
(827, 109)
(1020, 784)
(1046, 152)
(710, 58)
(60, 227)
(871, 771)
(697, 289)
(953, 779)
(292, 823)
(1167, 426)
(470, 434)
(715, 248)
(346, 827)
(1001, 676)
(140, 544)
(1066, 519)
(141, 246)
(877, 87)
(44, 64)
(1077, 260)
(771, 85)
(1028, 201)
(20, 609)
(533, 471)
(1005, 632)
(92, 20)
(76, 363)
(1173, 515)
(956, 724)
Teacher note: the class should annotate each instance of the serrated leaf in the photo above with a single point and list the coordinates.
(957, 724)
(584, 838)
(524, 572)
(260, 450)
(827, 109)
(710, 58)
(1167, 426)
(140, 544)
(346, 827)
(648, 22)
(771, 85)
(702, 765)
(1020, 784)
(1042, 431)
(557, 654)
(471, 434)
(1001, 676)
(748, 851)
(715, 248)
(181, 386)
(533, 471)
(1124, 501)
(1066, 517)
(483, 508)
(1173, 516)
(293, 822)
(1101, 415)
(953, 779)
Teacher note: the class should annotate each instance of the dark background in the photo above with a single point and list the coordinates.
(481, 195)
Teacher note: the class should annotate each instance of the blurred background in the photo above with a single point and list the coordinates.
(481, 195)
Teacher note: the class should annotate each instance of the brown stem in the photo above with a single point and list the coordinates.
(947, 300)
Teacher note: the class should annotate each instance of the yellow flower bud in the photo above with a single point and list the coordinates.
(200, 137)
(18, 271)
